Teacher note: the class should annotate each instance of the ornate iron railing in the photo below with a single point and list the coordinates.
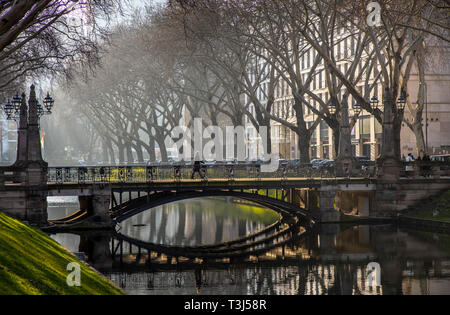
(177, 173)
(149, 173)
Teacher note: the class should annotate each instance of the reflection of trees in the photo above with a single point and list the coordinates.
(242, 228)
(219, 230)
(198, 226)
(302, 281)
(152, 225)
(161, 238)
(181, 224)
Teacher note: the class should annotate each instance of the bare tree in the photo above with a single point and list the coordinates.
(46, 37)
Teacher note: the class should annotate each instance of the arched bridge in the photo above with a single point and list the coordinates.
(319, 190)
(133, 207)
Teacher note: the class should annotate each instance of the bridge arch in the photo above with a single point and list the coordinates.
(133, 207)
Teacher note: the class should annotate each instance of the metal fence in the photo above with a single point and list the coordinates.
(150, 173)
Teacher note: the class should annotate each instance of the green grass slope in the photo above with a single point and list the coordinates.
(33, 263)
(440, 205)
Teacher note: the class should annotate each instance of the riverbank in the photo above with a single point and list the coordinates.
(429, 215)
(32, 263)
(433, 209)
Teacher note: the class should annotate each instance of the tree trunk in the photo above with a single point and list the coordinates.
(140, 153)
(151, 150)
(130, 157)
(162, 148)
(397, 137)
(112, 154)
(105, 151)
(336, 140)
(121, 148)
(303, 146)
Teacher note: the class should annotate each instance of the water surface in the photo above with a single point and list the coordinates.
(333, 260)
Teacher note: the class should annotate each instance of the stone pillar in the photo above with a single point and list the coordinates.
(36, 167)
(34, 139)
(388, 164)
(101, 204)
(327, 196)
(28, 201)
(22, 135)
(96, 245)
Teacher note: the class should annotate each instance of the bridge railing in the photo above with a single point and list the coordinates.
(149, 173)
(421, 169)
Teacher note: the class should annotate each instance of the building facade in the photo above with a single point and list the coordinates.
(8, 143)
(367, 131)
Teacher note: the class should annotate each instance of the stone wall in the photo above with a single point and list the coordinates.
(25, 205)
(391, 199)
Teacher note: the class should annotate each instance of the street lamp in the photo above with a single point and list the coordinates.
(17, 102)
(12, 108)
(48, 103)
(332, 108)
(374, 102)
(401, 102)
(357, 109)
(8, 108)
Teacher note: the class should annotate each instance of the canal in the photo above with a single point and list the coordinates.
(334, 259)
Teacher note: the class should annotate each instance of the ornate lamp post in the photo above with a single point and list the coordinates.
(374, 102)
(332, 108)
(30, 170)
(357, 109)
(27, 118)
(12, 108)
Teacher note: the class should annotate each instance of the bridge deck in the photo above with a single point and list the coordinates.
(238, 183)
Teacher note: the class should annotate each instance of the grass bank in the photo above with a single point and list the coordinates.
(32, 263)
(436, 209)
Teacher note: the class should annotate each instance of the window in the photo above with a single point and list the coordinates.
(12, 136)
(365, 127)
(378, 128)
(345, 48)
(314, 134)
(323, 131)
(338, 51)
(366, 150)
(308, 61)
(326, 151)
(352, 47)
(314, 152)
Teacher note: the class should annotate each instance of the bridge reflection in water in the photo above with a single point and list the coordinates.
(332, 260)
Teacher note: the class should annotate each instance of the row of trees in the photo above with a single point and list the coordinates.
(228, 60)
